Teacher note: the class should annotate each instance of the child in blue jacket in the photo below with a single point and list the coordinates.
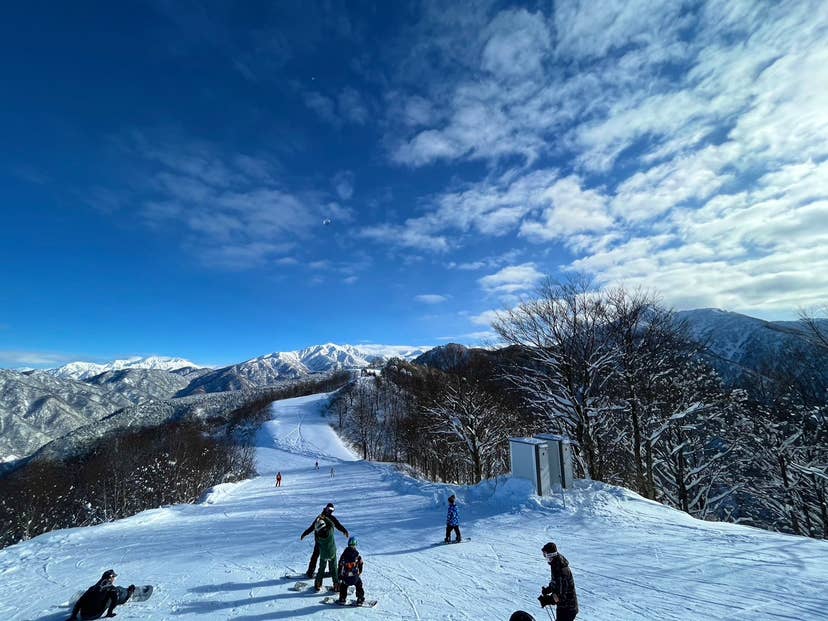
(452, 521)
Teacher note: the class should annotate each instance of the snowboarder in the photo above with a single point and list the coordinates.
(327, 512)
(102, 597)
(560, 591)
(278, 479)
(323, 532)
(350, 573)
(452, 520)
(520, 615)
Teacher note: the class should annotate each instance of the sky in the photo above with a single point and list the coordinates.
(220, 180)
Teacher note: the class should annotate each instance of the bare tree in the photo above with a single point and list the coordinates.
(567, 359)
(473, 418)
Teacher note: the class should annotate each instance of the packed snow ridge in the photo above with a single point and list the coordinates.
(225, 558)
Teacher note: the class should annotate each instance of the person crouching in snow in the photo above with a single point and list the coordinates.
(452, 520)
(350, 572)
(101, 597)
(560, 591)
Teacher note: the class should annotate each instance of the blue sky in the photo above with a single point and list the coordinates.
(221, 180)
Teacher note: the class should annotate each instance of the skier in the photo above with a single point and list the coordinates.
(520, 615)
(278, 479)
(102, 597)
(327, 512)
(452, 520)
(332, 472)
(317, 465)
(560, 591)
(350, 573)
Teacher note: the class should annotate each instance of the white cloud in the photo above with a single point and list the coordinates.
(430, 298)
(486, 318)
(517, 46)
(572, 210)
(343, 183)
(15, 359)
(512, 279)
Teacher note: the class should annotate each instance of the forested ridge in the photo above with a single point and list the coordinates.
(618, 373)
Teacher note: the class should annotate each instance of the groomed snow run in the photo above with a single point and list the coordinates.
(632, 559)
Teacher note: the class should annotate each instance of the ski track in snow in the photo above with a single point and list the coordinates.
(224, 558)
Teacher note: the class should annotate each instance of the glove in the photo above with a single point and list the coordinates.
(547, 590)
(131, 589)
(546, 600)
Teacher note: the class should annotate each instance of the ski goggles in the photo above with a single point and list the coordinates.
(549, 555)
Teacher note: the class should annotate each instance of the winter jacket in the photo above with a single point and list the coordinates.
(324, 535)
(350, 566)
(333, 519)
(562, 584)
(99, 599)
(453, 517)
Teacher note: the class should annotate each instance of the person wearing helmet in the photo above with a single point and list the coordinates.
(560, 591)
(520, 615)
(350, 572)
(102, 597)
(328, 511)
(452, 520)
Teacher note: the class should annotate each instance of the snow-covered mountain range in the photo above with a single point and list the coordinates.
(39, 406)
(740, 342)
(85, 370)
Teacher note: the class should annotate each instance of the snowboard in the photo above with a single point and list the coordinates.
(300, 576)
(141, 593)
(334, 601)
(445, 543)
(308, 586)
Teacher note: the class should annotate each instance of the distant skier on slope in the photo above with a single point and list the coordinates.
(560, 591)
(452, 520)
(350, 573)
(278, 479)
(102, 597)
(327, 512)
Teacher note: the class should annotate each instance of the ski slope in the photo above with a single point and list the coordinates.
(632, 559)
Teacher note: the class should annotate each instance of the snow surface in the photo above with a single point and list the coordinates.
(632, 559)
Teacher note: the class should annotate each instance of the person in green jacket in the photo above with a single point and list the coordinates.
(323, 532)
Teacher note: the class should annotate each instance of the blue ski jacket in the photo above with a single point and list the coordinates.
(453, 517)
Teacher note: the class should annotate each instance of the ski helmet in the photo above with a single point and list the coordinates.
(352, 542)
(519, 615)
(329, 508)
(452, 498)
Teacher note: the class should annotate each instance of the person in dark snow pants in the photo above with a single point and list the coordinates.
(560, 591)
(102, 597)
(327, 511)
(452, 520)
(278, 479)
(350, 572)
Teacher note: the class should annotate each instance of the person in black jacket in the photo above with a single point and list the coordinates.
(101, 597)
(328, 513)
(560, 591)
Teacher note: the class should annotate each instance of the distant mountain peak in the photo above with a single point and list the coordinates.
(84, 370)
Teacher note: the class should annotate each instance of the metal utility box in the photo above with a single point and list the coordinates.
(529, 459)
(560, 459)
